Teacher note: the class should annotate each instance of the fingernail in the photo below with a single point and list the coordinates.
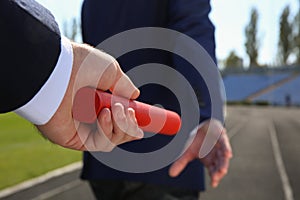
(214, 185)
(140, 134)
(171, 174)
(132, 114)
(119, 112)
(108, 117)
(131, 111)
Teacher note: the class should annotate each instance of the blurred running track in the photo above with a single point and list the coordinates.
(266, 162)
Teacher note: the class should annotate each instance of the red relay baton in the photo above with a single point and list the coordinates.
(88, 103)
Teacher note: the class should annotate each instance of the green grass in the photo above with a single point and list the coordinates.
(25, 154)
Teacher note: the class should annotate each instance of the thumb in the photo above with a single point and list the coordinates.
(97, 69)
(124, 87)
(179, 165)
(105, 71)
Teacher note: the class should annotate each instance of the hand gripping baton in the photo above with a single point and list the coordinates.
(88, 103)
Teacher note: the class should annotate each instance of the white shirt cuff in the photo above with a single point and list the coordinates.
(40, 109)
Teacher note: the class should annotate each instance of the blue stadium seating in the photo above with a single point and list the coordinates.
(279, 95)
(239, 86)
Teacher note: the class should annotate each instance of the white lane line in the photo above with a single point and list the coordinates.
(40, 179)
(236, 129)
(288, 192)
(58, 190)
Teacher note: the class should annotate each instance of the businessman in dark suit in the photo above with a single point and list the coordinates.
(102, 19)
(39, 69)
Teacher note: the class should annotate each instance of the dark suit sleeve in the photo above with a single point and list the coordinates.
(191, 17)
(30, 46)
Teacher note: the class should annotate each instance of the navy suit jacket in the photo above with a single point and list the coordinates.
(30, 47)
(102, 19)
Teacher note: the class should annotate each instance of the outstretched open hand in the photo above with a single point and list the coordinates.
(214, 151)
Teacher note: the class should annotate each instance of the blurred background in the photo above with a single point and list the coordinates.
(258, 51)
